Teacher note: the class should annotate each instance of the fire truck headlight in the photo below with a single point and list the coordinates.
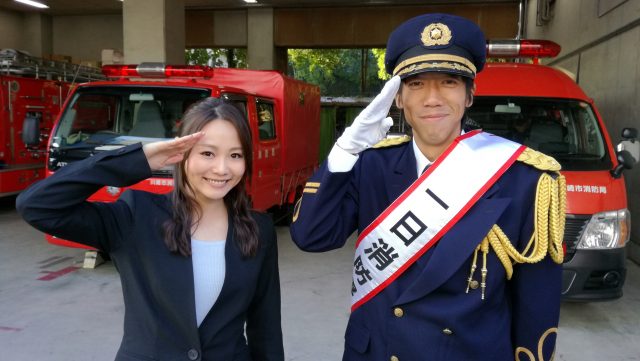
(606, 230)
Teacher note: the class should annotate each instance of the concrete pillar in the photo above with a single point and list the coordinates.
(37, 38)
(153, 30)
(260, 49)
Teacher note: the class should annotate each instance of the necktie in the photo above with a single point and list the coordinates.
(425, 168)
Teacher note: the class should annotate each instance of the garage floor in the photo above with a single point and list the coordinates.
(52, 310)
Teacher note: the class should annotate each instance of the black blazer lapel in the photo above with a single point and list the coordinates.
(456, 246)
(177, 271)
(174, 275)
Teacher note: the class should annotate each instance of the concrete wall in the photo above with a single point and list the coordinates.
(10, 28)
(230, 28)
(30, 32)
(370, 26)
(216, 28)
(603, 49)
(325, 27)
(84, 36)
(38, 34)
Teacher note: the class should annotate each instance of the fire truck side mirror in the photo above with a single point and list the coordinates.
(627, 152)
(630, 143)
(629, 133)
(31, 131)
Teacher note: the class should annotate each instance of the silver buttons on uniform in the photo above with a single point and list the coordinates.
(447, 331)
(394, 358)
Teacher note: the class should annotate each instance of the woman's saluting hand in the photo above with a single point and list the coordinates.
(168, 152)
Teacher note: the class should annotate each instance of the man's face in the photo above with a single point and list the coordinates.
(433, 104)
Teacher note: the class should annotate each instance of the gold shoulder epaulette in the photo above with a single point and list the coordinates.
(390, 142)
(539, 160)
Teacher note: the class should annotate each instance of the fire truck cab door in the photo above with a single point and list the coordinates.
(265, 185)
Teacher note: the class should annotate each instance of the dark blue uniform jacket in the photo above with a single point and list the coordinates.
(425, 314)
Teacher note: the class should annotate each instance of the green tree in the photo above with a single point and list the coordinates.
(338, 72)
(218, 57)
(379, 55)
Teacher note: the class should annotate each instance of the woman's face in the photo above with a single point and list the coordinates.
(216, 163)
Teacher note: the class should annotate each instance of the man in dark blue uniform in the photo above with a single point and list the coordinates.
(461, 261)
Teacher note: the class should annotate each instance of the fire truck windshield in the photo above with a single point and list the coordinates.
(105, 117)
(565, 129)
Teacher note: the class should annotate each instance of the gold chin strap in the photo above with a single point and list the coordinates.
(549, 219)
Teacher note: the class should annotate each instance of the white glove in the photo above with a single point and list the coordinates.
(372, 124)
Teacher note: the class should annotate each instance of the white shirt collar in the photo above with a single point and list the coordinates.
(421, 159)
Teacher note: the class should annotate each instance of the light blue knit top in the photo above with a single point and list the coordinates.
(208, 274)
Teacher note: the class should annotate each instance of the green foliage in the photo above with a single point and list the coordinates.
(218, 57)
(379, 55)
(338, 72)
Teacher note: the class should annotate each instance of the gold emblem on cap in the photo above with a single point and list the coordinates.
(436, 34)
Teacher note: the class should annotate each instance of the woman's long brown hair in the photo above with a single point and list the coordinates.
(186, 211)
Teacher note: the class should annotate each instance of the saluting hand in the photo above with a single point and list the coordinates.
(372, 124)
(167, 152)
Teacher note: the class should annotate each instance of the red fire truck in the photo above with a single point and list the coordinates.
(32, 91)
(144, 103)
(543, 108)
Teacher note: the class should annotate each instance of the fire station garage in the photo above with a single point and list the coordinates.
(63, 64)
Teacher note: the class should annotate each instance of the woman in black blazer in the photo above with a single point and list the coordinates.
(179, 304)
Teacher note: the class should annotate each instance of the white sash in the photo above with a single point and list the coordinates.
(416, 221)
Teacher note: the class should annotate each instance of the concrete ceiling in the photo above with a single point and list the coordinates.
(86, 7)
